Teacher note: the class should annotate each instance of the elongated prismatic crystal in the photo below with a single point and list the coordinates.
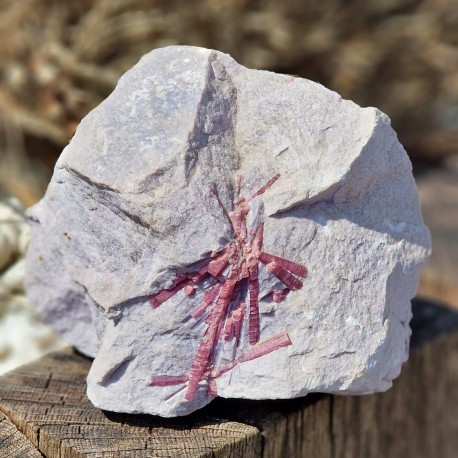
(232, 291)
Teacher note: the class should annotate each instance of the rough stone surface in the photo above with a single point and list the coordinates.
(131, 207)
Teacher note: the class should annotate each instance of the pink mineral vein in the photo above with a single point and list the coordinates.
(264, 188)
(237, 319)
(279, 295)
(231, 278)
(261, 349)
(159, 298)
(217, 265)
(253, 291)
(189, 290)
(228, 328)
(168, 380)
(286, 277)
(294, 268)
(268, 346)
(207, 344)
(209, 297)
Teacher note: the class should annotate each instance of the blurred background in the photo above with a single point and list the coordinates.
(60, 59)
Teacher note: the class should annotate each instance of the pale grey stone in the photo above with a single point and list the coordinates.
(129, 207)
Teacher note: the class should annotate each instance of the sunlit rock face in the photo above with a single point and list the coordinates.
(218, 231)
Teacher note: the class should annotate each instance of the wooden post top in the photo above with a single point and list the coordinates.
(45, 411)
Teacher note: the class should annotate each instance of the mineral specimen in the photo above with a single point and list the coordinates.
(218, 231)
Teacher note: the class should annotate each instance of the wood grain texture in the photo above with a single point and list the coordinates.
(46, 401)
(13, 444)
(438, 189)
(417, 417)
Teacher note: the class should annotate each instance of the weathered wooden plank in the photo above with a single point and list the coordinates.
(47, 402)
(438, 189)
(13, 444)
(418, 417)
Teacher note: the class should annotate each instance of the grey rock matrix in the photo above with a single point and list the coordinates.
(174, 238)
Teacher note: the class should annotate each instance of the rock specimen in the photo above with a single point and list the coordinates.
(218, 231)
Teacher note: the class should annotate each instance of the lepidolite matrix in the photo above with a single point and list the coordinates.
(218, 231)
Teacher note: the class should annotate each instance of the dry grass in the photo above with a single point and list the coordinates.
(59, 59)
